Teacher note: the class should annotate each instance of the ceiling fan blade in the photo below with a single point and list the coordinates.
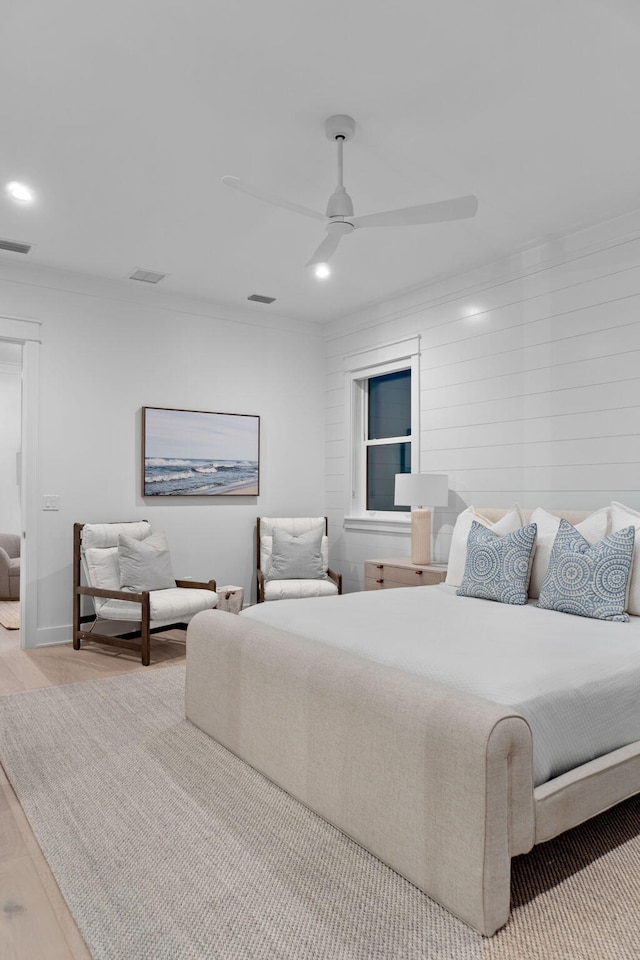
(326, 249)
(238, 184)
(456, 209)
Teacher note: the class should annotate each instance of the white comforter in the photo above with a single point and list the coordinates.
(576, 681)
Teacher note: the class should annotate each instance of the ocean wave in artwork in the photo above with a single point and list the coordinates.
(171, 476)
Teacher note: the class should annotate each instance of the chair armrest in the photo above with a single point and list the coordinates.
(337, 579)
(196, 585)
(260, 586)
(112, 594)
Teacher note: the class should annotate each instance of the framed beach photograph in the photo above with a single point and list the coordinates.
(193, 453)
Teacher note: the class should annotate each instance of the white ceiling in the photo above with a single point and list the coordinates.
(124, 115)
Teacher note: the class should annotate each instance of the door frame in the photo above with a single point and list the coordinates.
(28, 334)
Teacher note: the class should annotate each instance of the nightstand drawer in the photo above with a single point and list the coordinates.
(385, 575)
(370, 584)
(409, 578)
(373, 571)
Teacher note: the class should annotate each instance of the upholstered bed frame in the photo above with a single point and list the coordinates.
(435, 782)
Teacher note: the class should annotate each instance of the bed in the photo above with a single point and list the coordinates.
(439, 764)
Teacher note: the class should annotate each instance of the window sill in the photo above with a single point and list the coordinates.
(379, 524)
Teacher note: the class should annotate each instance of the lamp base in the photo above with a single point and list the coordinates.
(421, 536)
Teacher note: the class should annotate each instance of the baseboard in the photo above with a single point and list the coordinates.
(51, 636)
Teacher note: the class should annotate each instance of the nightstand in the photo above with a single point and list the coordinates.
(400, 572)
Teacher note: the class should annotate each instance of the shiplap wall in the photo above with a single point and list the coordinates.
(529, 382)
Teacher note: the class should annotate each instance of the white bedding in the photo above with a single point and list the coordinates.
(575, 680)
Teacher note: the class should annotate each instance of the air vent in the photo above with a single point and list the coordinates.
(260, 299)
(14, 246)
(147, 276)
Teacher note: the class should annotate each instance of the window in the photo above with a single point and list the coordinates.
(388, 436)
(384, 429)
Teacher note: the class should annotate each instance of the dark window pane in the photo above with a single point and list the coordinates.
(383, 463)
(390, 405)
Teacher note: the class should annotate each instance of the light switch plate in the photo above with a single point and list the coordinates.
(50, 501)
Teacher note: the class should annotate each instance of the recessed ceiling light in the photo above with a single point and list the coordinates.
(322, 271)
(20, 191)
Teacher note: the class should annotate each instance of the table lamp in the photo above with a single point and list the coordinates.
(421, 490)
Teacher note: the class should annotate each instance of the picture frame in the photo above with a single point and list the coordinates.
(199, 453)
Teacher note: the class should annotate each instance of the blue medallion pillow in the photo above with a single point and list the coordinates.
(589, 581)
(498, 568)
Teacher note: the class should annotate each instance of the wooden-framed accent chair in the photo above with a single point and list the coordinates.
(132, 617)
(324, 583)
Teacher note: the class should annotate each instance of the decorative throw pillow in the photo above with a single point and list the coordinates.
(593, 528)
(589, 581)
(458, 551)
(497, 568)
(297, 558)
(145, 564)
(622, 517)
(266, 549)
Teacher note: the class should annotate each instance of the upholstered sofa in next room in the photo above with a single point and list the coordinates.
(9, 566)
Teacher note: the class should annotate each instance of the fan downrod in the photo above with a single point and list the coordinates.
(340, 127)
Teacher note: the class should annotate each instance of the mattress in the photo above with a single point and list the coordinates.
(575, 680)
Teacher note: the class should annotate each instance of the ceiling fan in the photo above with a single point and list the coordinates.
(339, 216)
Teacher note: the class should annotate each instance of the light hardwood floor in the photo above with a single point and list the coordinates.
(35, 923)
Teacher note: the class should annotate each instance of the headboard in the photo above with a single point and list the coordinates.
(573, 516)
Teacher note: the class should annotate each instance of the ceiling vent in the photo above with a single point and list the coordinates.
(14, 246)
(147, 276)
(258, 298)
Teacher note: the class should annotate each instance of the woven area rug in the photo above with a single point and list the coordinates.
(167, 847)
(10, 614)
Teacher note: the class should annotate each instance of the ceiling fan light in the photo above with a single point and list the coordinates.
(322, 271)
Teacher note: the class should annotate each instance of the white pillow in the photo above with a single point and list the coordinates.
(511, 521)
(145, 564)
(595, 527)
(622, 517)
(297, 558)
(266, 549)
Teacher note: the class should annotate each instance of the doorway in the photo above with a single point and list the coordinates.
(22, 338)
(10, 508)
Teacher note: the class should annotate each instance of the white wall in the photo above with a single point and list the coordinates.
(10, 438)
(110, 348)
(530, 385)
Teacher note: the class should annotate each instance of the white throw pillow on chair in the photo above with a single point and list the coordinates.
(145, 564)
(297, 558)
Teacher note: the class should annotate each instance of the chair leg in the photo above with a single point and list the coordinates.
(145, 639)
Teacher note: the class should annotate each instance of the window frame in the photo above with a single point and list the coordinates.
(356, 514)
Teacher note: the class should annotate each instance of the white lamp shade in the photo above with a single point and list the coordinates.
(422, 489)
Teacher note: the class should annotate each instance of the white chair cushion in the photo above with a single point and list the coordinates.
(293, 525)
(174, 605)
(102, 570)
(296, 589)
(101, 535)
(100, 553)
